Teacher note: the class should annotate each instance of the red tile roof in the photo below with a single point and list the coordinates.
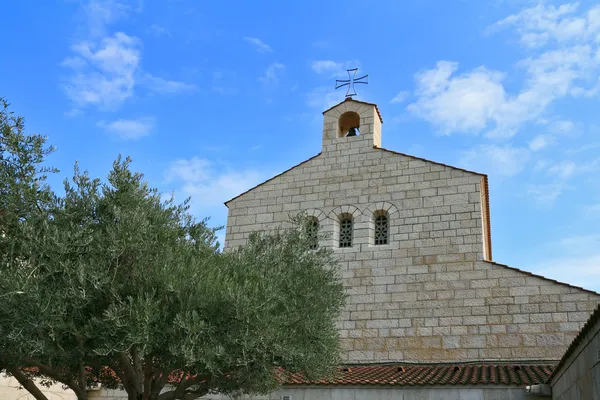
(440, 374)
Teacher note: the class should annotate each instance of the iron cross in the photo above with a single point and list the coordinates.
(351, 81)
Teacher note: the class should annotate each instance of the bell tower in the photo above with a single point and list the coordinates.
(352, 122)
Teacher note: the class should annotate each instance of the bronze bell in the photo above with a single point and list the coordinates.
(352, 132)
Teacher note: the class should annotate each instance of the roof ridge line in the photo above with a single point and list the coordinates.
(541, 277)
(431, 161)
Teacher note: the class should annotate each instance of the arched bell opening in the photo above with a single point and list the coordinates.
(349, 124)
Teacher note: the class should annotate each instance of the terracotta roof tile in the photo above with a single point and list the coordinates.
(439, 374)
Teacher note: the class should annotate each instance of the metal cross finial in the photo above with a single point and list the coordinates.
(351, 81)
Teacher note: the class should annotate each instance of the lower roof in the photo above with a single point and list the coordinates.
(513, 374)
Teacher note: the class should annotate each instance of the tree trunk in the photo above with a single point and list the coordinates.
(27, 383)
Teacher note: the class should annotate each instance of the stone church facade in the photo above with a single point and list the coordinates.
(429, 314)
(414, 239)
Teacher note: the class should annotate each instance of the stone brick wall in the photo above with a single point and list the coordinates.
(428, 295)
(579, 376)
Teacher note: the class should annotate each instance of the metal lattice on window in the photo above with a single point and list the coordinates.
(381, 229)
(313, 233)
(346, 232)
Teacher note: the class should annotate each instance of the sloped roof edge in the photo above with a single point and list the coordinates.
(270, 179)
(541, 277)
(430, 161)
(591, 322)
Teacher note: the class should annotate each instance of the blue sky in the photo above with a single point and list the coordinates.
(211, 98)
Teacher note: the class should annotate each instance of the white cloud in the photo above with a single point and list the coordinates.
(562, 173)
(540, 142)
(210, 185)
(165, 86)
(129, 129)
(105, 68)
(323, 98)
(547, 193)
(271, 76)
(103, 73)
(563, 170)
(500, 160)
(400, 97)
(335, 68)
(260, 46)
(321, 66)
(545, 24)
(574, 260)
(159, 30)
(99, 14)
(476, 101)
(463, 103)
(584, 148)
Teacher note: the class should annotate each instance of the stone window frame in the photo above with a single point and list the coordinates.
(337, 215)
(381, 231)
(391, 211)
(320, 217)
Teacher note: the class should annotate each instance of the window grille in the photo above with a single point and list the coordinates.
(313, 233)
(346, 232)
(381, 229)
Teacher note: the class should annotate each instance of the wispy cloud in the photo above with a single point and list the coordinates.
(561, 176)
(540, 142)
(323, 97)
(105, 68)
(573, 259)
(334, 68)
(258, 44)
(271, 76)
(99, 14)
(503, 160)
(562, 61)
(159, 30)
(103, 72)
(400, 97)
(129, 129)
(210, 184)
(165, 86)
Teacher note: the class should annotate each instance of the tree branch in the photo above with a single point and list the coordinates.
(128, 377)
(181, 393)
(50, 372)
(27, 383)
(148, 373)
(159, 383)
(138, 369)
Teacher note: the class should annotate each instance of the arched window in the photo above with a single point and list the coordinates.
(346, 228)
(349, 124)
(313, 232)
(381, 233)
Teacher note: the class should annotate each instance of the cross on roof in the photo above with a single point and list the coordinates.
(351, 81)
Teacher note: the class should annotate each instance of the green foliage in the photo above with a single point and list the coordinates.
(110, 282)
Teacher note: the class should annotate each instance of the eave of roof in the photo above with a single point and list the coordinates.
(591, 322)
(357, 101)
(518, 374)
(270, 179)
(375, 147)
(542, 277)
